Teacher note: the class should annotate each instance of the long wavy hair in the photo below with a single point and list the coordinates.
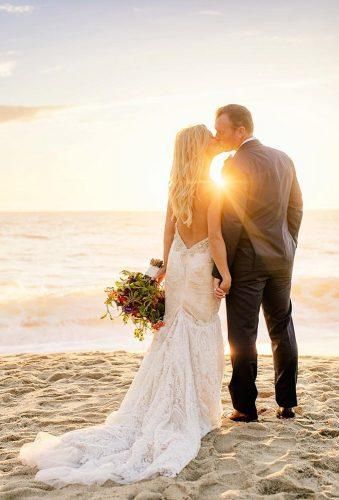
(189, 165)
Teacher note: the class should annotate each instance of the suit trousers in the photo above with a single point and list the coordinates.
(253, 285)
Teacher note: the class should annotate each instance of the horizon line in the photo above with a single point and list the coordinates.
(39, 211)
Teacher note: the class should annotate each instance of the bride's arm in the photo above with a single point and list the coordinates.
(168, 232)
(167, 240)
(216, 240)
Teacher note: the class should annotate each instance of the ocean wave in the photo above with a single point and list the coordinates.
(319, 293)
(77, 307)
(84, 306)
(302, 286)
(30, 236)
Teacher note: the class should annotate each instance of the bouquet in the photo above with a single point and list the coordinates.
(139, 298)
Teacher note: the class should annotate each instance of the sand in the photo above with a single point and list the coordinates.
(271, 458)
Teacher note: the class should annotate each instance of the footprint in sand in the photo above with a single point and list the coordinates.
(273, 486)
(265, 394)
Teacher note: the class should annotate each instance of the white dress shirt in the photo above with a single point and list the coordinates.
(247, 140)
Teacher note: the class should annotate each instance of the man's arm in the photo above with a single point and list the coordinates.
(234, 207)
(295, 208)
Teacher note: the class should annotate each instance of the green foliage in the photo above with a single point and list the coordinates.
(137, 298)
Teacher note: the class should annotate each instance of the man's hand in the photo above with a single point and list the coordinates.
(222, 288)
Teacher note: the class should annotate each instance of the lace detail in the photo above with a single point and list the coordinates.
(172, 402)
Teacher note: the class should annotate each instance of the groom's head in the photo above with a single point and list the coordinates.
(234, 125)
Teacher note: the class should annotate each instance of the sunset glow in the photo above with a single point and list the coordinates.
(91, 101)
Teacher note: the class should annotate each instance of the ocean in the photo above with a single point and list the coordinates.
(54, 268)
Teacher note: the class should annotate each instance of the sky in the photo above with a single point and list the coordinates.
(92, 93)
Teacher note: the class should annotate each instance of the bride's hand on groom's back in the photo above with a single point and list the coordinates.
(222, 287)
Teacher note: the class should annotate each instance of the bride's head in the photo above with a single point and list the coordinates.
(193, 150)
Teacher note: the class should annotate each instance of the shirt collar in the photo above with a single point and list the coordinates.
(247, 140)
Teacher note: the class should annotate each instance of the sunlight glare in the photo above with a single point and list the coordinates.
(216, 168)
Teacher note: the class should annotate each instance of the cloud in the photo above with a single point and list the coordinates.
(209, 13)
(302, 38)
(51, 69)
(16, 9)
(302, 83)
(10, 53)
(26, 113)
(6, 68)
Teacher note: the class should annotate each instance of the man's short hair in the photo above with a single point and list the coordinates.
(238, 115)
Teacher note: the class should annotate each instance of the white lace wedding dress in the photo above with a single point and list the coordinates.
(173, 401)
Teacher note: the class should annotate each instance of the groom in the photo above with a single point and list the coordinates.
(261, 216)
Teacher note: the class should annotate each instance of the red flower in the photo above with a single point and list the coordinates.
(158, 325)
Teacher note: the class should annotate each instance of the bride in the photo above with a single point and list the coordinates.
(175, 397)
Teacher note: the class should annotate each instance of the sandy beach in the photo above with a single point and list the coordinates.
(271, 458)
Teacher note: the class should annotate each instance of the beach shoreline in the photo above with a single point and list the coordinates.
(55, 270)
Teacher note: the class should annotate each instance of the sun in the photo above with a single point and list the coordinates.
(215, 170)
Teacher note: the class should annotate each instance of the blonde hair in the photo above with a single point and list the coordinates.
(189, 164)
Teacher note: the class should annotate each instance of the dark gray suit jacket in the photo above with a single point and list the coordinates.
(262, 205)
